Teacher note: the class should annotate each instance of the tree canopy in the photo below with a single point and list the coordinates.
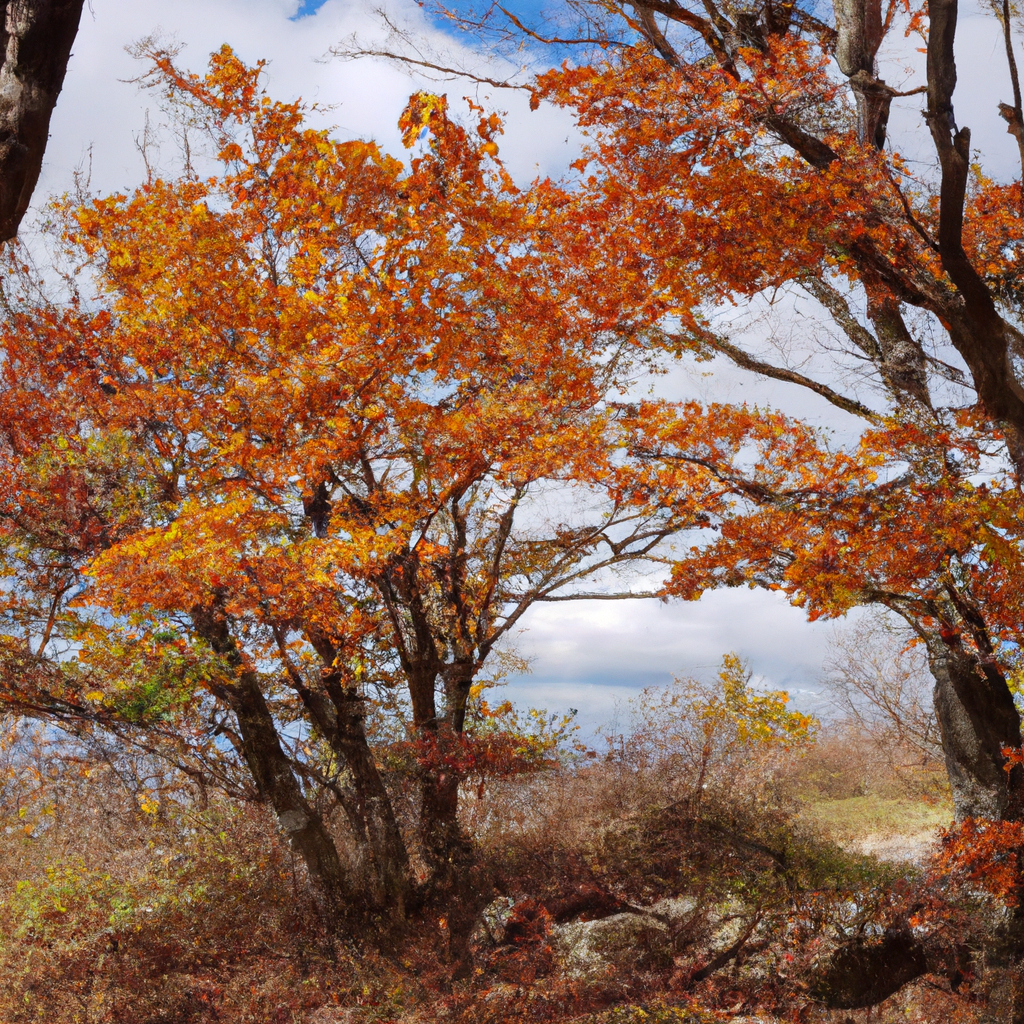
(301, 442)
(306, 439)
(744, 151)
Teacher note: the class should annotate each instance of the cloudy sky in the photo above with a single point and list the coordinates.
(591, 656)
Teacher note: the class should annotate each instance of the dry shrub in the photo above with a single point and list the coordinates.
(881, 689)
(694, 752)
(115, 908)
(839, 766)
(847, 762)
(124, 896)
(692, 804)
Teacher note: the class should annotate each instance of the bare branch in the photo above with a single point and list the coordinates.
(1011, 114)
(451, 72)
(555, 40)
(748, 362)
(640, 595)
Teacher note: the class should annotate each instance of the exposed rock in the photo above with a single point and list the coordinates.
(634, 938)
(490, 929)
(590, 948)
(675, 910)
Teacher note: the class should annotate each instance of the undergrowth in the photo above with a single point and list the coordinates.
(687, 862)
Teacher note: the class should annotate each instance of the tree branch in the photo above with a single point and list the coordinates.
(430, 65)
(1014, 116)
(748, 362)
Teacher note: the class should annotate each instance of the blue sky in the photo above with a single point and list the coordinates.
(308, 7)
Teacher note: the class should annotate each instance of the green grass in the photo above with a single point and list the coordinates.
(857, 817)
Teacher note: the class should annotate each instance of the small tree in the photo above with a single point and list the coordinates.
(879, 682)
(707, 738)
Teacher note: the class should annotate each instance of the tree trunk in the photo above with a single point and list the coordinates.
(977, 719)
(859, 30)
(35, 46)
(338, 712)
(445, 846)
(440, 834)
(986, 341)
(390, 856)
(272, 772)
(278, 786)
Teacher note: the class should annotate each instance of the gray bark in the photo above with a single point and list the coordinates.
(984, 339)
(272, 772)
(859, 29)
(978, 719)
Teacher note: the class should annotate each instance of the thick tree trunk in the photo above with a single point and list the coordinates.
(373, 803)
(338, 711)
(977, 719)
(441, 841)
(859, 30)
(277, 784)
(987, 342)
(35, 46)
(275, 780)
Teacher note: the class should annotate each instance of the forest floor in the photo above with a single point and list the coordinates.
(613, 902)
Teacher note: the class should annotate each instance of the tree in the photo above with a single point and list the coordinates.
(724, 144)
(880, 684)
(301, 445)
(743, 167)
(37, 40)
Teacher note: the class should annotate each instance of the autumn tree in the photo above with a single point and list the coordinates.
(744, 149)
(301, 444)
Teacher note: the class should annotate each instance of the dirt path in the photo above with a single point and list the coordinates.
(911, 847)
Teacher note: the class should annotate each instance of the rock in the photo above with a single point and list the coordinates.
(726, 924)
(490, 929)
(637, 938)
(592, 948)
(675, 909)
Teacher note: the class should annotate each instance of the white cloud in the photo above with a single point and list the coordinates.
(101, 109)
(591, 654)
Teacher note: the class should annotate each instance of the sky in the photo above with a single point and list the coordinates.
(591, 656)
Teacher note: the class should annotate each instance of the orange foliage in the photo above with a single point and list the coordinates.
(984, 854)
(283, 462)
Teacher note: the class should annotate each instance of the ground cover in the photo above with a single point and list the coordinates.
(633, 886)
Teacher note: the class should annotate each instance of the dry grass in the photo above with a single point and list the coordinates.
(861, 819)
(866, 794)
